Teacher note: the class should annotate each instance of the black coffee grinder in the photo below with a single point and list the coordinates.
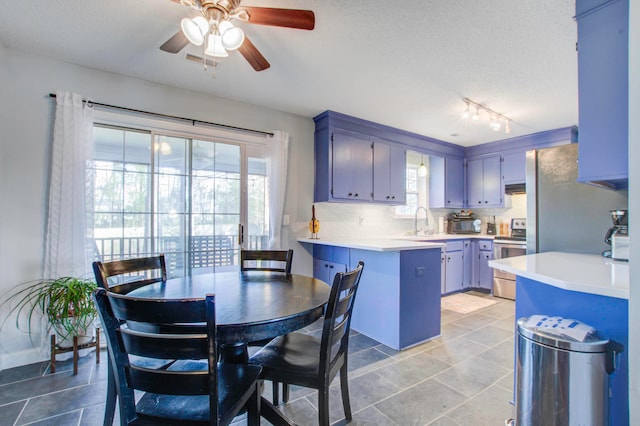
(620, 227)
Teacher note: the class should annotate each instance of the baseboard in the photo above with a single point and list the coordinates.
(20, 358)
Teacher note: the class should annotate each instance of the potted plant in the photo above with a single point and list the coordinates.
(65, 302)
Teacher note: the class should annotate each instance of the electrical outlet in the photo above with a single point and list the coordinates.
(420, 272)
(285, 219)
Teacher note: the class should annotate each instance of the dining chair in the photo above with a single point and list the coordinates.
(196, 389)
(122, 276)
(125, 275)
(266, 260)
(308, 361)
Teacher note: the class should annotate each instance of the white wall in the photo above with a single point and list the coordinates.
(634, 206)
(26, 117)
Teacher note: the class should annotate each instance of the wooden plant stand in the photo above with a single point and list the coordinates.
(75, 348)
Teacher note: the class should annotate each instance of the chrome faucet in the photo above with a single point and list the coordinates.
(415, 219)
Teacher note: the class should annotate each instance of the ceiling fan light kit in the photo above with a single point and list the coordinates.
(214, 30)
(214, 47)
(195, 29)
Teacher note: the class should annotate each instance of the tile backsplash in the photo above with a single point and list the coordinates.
(340, 220)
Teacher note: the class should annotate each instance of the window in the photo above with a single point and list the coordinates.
(413, 194)
(172, 193)
(416, 186)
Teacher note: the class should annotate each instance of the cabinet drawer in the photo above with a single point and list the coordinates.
(485, 245)
(455, 245)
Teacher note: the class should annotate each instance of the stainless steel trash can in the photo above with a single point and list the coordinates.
(562, 372)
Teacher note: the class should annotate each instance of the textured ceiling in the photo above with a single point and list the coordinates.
(406, 64)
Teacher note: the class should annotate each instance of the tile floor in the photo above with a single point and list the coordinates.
(462, 378)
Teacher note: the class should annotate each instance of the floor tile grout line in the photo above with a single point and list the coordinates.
(27, 399)
(52, 417)
(21, 412)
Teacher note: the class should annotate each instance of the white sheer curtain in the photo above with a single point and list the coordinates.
(277, 154)
(67, 246)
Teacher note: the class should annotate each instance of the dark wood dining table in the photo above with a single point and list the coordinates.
(250, 306)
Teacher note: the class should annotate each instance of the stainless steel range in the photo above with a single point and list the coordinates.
(504, 283)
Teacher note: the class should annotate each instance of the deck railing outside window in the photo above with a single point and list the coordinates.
(205, 253)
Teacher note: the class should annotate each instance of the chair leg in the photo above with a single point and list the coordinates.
(76, 356)
(323, 405)
(253, 408)
(112, 394)
(276, 396)
(344, 387)
(285, 392)
(53, 354)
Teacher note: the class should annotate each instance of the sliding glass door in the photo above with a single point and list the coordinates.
(190, 199)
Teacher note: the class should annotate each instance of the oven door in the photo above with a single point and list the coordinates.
(504, 250)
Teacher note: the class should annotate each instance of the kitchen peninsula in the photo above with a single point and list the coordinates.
(398, 300)
(585, 287)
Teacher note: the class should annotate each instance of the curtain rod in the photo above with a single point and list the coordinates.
(173, 117)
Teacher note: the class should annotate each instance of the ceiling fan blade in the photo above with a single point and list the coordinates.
(253, 55)
(176, 43)
(290, 18)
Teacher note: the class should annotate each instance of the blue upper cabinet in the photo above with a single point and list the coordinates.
(389, 173)
(362, 161)
(446, 182)
(484, 182)
(352, 167)
(603, 39)
(514, 168)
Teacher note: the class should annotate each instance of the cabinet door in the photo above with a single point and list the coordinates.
(398, 174)
(454, 182)
(467, 256)
(326, 271)
(443, 270)
(437, 179)
(492, 180)
(514, 168)
(455, 269)
(485, 272)
(603, 37)
(352, 167)
(389, 173)
(475, 184)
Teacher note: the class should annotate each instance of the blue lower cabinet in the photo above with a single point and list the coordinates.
(609, 315)
(325, 270)
(482, 273)
(398, 300)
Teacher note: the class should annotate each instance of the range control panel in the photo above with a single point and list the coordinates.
(518, 223)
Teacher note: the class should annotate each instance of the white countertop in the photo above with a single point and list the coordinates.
(375, 244)
(445, 237)
(587, 273)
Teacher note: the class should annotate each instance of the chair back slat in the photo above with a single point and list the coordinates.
(164, 346)
(169, 382)
(337, 320)
(157, 311)
(123, 276)
(266, 260)
(340, 329)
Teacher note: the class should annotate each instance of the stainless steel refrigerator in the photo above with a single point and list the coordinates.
(562, 214)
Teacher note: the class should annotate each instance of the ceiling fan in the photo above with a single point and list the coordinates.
(214, 30)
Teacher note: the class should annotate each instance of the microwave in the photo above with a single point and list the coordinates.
(461, 226)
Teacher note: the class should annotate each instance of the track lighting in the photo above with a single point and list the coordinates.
(496, 120)
(465, 114)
